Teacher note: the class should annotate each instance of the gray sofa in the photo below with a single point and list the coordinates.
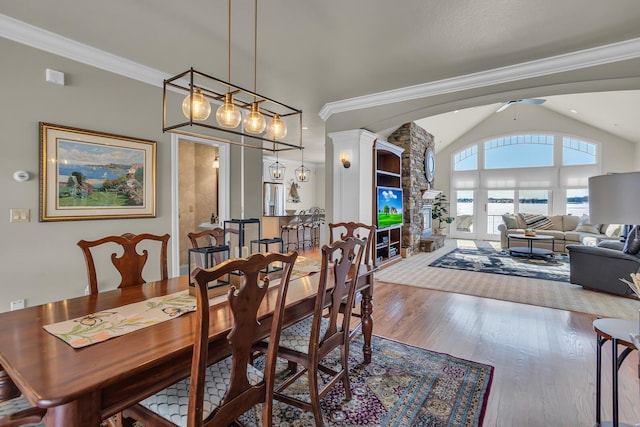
(563, 230)
(601, 267)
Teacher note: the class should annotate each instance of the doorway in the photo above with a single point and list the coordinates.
(200, 192)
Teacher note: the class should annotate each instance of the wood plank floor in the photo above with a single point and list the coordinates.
(544, 358)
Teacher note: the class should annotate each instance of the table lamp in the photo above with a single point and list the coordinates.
(615, 198)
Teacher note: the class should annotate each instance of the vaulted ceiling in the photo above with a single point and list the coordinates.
(314, 54)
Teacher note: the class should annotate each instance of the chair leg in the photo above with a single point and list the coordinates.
(314, 397)
(267, 413)
(345, 369)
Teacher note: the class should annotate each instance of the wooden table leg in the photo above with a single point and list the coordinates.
(366, 306)
(84, 412)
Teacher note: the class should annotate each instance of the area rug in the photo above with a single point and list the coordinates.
(489, 260)
(416, 271)
(402, 386)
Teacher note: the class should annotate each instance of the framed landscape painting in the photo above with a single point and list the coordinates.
(92, 175)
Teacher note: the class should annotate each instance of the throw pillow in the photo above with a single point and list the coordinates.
(611, 230)
(584, 226)
(510, 221)
(537, 221)
(632, 244)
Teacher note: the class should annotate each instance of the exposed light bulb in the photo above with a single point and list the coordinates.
(254, 122)
(228, 115)
(277, 128)
(201, 107)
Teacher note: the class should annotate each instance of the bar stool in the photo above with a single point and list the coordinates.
(311, 226)
(616, 330)
(294, 225)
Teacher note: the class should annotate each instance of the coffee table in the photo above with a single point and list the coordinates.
(529, 250)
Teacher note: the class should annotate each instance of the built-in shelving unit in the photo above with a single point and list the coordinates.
(387, 170)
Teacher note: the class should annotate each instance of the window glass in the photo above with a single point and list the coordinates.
(533, 201)
(576, 152)
(466, 159)
(518, 151)
(464, 210)
(577, 201)
(499, 202)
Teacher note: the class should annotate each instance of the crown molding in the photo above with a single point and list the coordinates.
(39, 38)
(615, 52)
(56, 44)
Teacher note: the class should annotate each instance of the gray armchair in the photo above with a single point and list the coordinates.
(601, 267)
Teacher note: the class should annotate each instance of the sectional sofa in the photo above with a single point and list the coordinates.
(566, 229)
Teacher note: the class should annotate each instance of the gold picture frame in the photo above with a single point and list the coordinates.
(87, 175)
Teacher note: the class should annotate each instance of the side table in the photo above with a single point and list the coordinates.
(617, 331)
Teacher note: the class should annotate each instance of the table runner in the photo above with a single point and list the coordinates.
(101, 326)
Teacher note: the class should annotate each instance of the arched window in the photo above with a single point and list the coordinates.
(466, 159)
(545, 173)
(577, 152)
(518, 151)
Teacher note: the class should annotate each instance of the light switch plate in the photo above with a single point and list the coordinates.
(19, 215)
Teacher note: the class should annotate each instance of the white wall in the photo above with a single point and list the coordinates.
(41, 262)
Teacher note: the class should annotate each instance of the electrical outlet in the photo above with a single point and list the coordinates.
(17, 304)
(19, 215)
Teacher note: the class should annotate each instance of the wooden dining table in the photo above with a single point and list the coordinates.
(81, 387)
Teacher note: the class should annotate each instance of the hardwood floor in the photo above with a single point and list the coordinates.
(544, 358)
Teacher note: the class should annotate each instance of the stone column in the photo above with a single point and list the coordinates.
(415, 141)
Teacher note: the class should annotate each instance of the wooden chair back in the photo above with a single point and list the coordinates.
(244, 303)
(342, 230)
(213, 237)
(131, 263)
(338, 273)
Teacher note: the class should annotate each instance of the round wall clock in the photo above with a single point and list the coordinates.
(429, 164)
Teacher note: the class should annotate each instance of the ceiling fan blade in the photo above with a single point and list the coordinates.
(531, 101)
(504, 106)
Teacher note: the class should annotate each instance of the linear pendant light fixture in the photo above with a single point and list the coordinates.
(231, 101)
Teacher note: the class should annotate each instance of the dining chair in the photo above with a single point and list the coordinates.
(218, 394)
(130, 263)
(308, 341)
(342, 230)
(212, 237)
(15, 410)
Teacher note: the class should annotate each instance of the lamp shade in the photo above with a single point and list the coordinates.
(615, 198)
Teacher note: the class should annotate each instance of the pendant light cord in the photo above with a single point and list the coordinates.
(229, 47)
(255, 48)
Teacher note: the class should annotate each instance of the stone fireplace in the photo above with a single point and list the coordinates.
(415, 186)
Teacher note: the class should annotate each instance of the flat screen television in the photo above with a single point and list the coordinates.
(389, 204)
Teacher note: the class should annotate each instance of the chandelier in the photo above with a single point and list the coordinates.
(276, 170)
(266, 121)
(302, 173)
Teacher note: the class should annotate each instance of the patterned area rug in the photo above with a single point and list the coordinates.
(489, 260)
(402, 386)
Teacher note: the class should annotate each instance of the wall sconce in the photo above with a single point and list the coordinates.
(344, 158)
(216, 163)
